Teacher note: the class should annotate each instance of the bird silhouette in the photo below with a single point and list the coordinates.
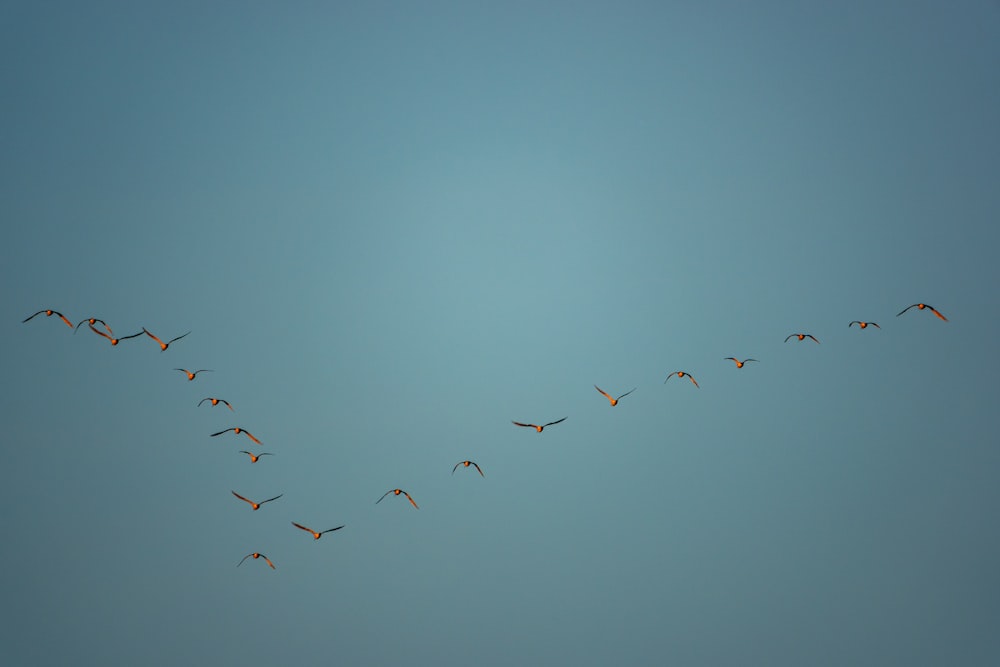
(682, 374)
(255, 555)
(237, 430)
(397, 492)
(187, 372)
(614, 401)
(467, 464)
(215, 401)
(49, 313)
(801, 336)
(316, 535)
(739, 364)
(114, 341)
(537, 427)
(92, 321)
(254, 457)
(919, 306)
(256, 506)
(863, 325)
(163, 346)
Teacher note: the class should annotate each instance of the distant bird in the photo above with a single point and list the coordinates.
(397, 492)
(254, 457)
(163, 346)
(215, 401)
(316, 535)
(92, 321)
(682, 374)
(614, 401)
(470, 463)
(255, 555)
(114, 341)
(921, 306)
(189, 373)
(237, 430)
(537, 427)
(739, 364)
(863, 325)
(49, 313)
(801, 336)
(256, 506)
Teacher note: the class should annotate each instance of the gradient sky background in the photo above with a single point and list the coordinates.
(393, 228)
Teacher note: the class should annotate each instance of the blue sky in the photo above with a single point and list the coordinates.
(392, 228)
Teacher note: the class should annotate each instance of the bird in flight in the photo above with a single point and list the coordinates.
(49, 313)
(92, 321)
(396, 492)
(187, 372)
(216, 401)
(237, 430)
(863, 325)
(467, 464)
(256, 506)
(316, 535)
(114, 341)
(539, 427)
(254, 457)
(163, 346)
(614, 401)
(801, 336)
(919, 306)
(682, 374)
(255, 555)
(739, 364)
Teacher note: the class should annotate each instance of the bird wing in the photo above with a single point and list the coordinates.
(178, 338)
(875, 325)
(268, 561)
(456, 467)
(300, 526)
(906, 309)
(940, 316)
(520, 424)
(792, 336)
(242, 498)
(70, 324)
(251, 436)
(330, 530)
(695, 382)
(227, 404)
(479, 469)
(410, 499)
(558, 421)
(152, 336)
(270, 499)
(127, 337)
(202, 401)
(604, 393)
(30, 316)
(244, 558)
(813, 337)
(626, 393)
(384, 495)
(221, 432)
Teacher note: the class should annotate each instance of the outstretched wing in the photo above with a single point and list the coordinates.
(410, 499)
(558, 421)
(626, 393)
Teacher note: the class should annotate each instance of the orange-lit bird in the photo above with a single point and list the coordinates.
(682, 374)
(163, 346)
(49, 313)
(739, 364)
(539, 427)
(396, 492)
(255, 555)
(863, 325)
(316, 535)
(467, 464)
(614, 401)
(254, 457)
(237, 430)
(92, 321)
(256, 506)
(801, 336)
(920, 306)
(114, 341)
(189, 373)
(216, 401)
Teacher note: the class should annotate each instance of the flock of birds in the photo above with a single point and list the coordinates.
(108, 334)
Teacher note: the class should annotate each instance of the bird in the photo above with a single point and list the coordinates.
(801, 336)
(92, 321)
(216, 401)
(255, 555)
(256, 506)
(920, 306)
(536, 426)
(163, 346)
(614, 401)
(189, 373)
(681, 374)
(254, 457)
(470, 463)
(316, 535)
(237, 430)
(397, 492)
(863, 325)
(114, 341)
(739, 364)
(49, 313)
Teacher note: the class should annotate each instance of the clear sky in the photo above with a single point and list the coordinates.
(394, 227)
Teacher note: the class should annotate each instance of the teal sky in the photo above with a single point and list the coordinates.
(392, 228)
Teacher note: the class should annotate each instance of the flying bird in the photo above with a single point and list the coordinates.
(92, 321)
(739, 364)
(863, 325)
(114, 341)
(397, 492)
(215, 401)
(254, 457)
(471, 463)
(316, 535)
(682, 374)
(237, 430)
(614, 401)
(163, 346)
(49, 313)
(255, 555)
(187, 372)
(537, 427)
(256, 506)
(801, 336)
(920, 306)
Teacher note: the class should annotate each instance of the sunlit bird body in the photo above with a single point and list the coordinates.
(863, 325)
(255, 555)
(92, 321)
(191, 375)
(316, 534)
(237, 430)
(467, 464)
(396, 492)
(539, 427)
(801, 336)
(739, 364)
(254, 457)
(683, 374)
(611, 399)
(49, 313)
(216, 401)
(114, 341)
(163, 346)
(256, 506)
(919, 306)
